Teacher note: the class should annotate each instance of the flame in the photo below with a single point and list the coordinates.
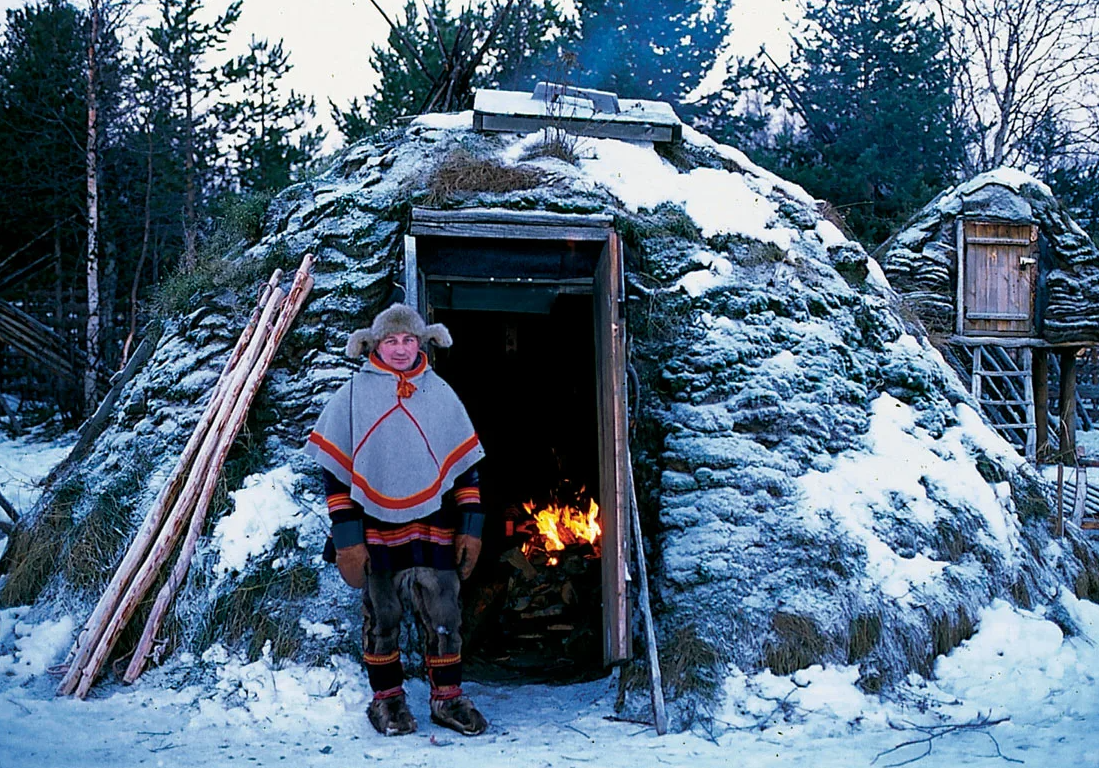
(560, 526)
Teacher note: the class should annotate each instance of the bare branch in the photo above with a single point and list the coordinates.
(933, 732)
(410, 48)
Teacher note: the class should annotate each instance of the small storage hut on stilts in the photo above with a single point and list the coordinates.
(1007, 285)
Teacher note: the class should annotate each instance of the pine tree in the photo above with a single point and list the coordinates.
(871, 86)
(265, 128)
(43, 119)
(654, 50)
(182, 43)
(526, 44)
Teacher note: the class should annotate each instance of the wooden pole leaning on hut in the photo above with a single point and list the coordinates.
(660, 715)
(303, 284)
(176, 520)
(89, 637)
(198, 467)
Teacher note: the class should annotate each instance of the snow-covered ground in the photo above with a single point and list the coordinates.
(1019, 671)
(1089, 442)
(1032, 676)
(24, 463)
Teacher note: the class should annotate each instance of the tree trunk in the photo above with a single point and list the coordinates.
(144, 244)
(189, 234)
(92, 335)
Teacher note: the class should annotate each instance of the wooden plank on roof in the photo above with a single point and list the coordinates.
(600, 129)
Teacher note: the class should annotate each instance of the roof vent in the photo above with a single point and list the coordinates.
(581, 111)
(567, 96)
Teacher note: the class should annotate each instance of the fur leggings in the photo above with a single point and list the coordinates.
(433, 597)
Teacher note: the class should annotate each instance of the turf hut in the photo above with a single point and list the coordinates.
(1007, 284)
(632, 318)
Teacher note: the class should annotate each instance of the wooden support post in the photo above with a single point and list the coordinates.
(1080, 500)
(1040, 362)
(1059, 523)
(1067, 433)
(166, 539)
(1028, 400)
(294, 302)
(660, 715)
(977, 371)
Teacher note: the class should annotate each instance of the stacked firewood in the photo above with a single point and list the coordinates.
(185, 498)
(552, 599)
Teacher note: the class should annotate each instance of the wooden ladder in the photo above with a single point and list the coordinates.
(1005, 390)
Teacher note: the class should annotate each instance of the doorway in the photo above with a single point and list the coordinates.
(534, 304)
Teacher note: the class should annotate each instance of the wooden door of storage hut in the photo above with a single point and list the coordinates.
(998, 263)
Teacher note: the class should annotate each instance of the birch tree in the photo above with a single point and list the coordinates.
(1022, 67)
(91, 337)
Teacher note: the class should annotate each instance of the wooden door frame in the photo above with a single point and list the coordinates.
(610, 390)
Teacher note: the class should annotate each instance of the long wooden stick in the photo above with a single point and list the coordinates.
(660, 715)
(89, 637)
(173, 525)
(9, 509)
(294, 302)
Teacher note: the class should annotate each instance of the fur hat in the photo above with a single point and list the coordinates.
(400, 318)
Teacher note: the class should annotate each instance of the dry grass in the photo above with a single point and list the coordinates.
(691, 664)
(460, 172)
(863, 635)
(556, 143)
(948, 631)
(262, 609)
(34, 551)
(1087, 580)
(95, 544)
(798, 644)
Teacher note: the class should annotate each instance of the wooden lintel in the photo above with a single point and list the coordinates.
(508, 216)
(501, 223)
(996, 241)
(507, 231)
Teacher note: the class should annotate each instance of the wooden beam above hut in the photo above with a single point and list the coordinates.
(507, 224)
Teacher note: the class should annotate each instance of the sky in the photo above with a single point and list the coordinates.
(329, 41)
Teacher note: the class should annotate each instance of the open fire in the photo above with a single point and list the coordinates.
(561, 526)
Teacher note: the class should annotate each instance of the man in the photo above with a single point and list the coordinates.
(398, 451)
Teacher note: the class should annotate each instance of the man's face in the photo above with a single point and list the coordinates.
(399, 350)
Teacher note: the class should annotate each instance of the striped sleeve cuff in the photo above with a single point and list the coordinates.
(341, 507)
(464, 496)
(347, 534)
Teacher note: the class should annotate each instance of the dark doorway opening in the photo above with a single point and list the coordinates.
(528, 382)
(536, 303)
